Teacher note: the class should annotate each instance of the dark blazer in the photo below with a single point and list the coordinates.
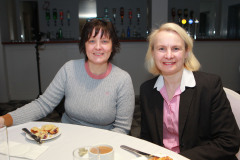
(207, 127)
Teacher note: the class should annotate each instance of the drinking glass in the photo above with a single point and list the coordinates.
(86, 153)
(4, 149)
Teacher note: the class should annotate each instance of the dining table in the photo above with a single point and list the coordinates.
(72, 136)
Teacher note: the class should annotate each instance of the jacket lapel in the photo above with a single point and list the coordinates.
(185, 103)
(158, 105)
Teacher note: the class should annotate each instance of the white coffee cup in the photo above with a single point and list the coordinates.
(4, 148)
(106, 152)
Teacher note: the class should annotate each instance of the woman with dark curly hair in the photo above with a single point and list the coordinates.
(97, 93)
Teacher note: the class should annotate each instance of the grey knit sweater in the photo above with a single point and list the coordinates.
(106, 103)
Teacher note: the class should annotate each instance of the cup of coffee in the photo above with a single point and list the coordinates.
(106, 152)
(86, 153)
(4, 148)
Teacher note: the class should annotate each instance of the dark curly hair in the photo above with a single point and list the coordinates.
(106, 28)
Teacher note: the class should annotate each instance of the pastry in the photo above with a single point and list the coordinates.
(42, 134)
(45, 131)
(35, 130)
(54, 130)
(47, 127)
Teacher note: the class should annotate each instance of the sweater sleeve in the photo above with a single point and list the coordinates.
(8, 121)
(125, 106)
(46, 102)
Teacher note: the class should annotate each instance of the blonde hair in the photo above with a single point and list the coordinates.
(191, 63)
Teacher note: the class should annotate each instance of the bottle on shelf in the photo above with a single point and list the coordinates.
(106, 12)
(128, 32)
(123, 34)
(130, 16)
(138, 16)
(134, 32)
(147, 31)
(61, 16)
(122, 14)
(196, 25)
(179, 13)
(114, 13)
(55, 16)
(60, 34)
(47, 16)
(68, 17)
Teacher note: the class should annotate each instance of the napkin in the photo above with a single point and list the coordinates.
(29, 151)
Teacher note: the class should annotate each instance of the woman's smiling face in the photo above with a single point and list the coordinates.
(98, 48)
(169, 52)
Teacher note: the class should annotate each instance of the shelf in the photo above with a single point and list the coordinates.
(72, 41)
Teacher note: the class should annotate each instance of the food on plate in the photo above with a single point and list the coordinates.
(47, 127)
(54, 130)
(35, 130)
(42, 134)
(161, 158)
(44, 131)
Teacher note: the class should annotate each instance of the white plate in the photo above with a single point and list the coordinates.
(50, 136)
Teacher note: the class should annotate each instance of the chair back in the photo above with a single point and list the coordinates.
(234, 99)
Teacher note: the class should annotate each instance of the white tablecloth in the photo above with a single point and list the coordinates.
(73, 136)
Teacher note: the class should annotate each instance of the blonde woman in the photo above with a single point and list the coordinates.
(183, 109)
